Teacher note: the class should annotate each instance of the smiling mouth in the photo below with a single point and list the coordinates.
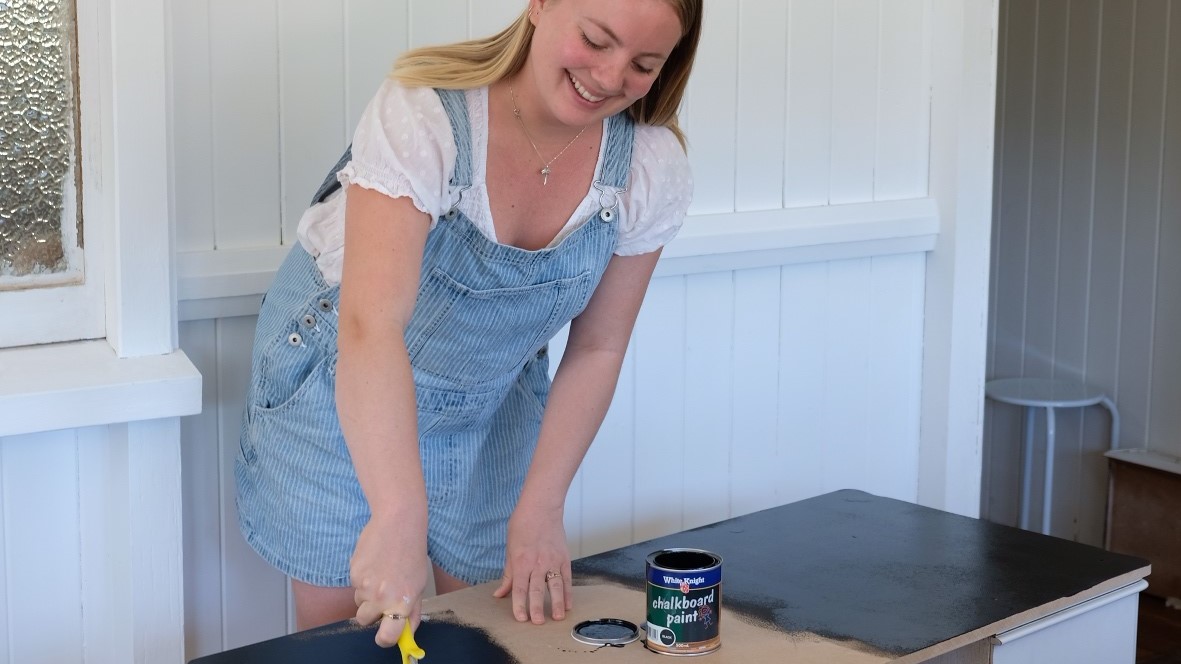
(583, 92)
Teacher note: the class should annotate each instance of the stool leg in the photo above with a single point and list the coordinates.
(1026, 467)
(1048, 489)
(1107, 403)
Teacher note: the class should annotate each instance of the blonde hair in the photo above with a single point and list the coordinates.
(480, 62)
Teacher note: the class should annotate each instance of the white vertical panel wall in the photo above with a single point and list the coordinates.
(1086, 240)
(87, 534)
(744, 388)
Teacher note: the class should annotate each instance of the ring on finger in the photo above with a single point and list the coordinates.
(551, 575)
(393, 616)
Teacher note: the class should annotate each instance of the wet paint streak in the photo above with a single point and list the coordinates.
(890, 576)
(446, 640)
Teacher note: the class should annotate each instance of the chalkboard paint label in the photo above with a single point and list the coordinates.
(684, 601)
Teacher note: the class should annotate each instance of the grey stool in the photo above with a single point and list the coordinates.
(1034, 393)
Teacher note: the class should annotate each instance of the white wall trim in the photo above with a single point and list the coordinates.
(963, 102)
(82, 384)
(140, 319)
(228, 282)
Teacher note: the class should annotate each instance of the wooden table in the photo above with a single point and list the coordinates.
(843, 578)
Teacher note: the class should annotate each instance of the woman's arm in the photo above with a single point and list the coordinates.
(578, 401)
(384, 240)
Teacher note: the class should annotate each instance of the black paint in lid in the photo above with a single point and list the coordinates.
(605, 632)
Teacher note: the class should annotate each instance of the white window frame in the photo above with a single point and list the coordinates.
(72, 311)
(131, 371)
(127, 292)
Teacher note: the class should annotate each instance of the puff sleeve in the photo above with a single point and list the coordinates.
(661, 190)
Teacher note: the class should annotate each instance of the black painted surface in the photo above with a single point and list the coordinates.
(444, 642)
(894, 576)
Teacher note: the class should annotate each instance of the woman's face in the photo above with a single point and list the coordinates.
(591, 59)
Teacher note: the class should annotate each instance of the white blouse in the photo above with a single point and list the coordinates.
(403, 146)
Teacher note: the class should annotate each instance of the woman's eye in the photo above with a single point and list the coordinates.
(642, 69)
(586, 40)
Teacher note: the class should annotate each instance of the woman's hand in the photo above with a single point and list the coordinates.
(537, 562)
(389, 572)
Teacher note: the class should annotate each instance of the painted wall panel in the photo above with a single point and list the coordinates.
(904, 109)
(1081, 464)
(203, 508)
(1078, 179)
(709, 376)
(809, 102)
(376, 32)
(606, 506)
(762, 93)
(854, 100)
(1045, 177)
(843, 427)
(1164, 415)
(801, 435)
(491, 17)
(438, 22)
(1045, 218)
(754, 390)
(41, 525)
(715, 111)
(311, 113)
(992, 471)
(244, 70)
(192, 136)
(893, 368)
(660, 395)
(106, 555)
(1111, 182)
(1142, 220)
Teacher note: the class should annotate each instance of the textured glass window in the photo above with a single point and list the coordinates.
(40, 217)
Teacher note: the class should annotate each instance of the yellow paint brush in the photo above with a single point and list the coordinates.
(408, 647)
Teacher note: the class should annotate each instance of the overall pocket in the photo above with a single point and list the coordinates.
(472, 336)
(300, 405)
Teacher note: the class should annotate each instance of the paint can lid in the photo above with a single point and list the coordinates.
(605, 631)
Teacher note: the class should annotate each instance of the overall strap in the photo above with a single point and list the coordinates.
(330, 183)
(617, 159)
(617, 162)
(455, 103)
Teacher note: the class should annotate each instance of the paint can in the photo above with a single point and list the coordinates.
(684, 601)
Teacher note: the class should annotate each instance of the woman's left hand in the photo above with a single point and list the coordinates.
(537, 563)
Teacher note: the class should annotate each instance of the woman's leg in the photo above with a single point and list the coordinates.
(317, 605)
(445, 583)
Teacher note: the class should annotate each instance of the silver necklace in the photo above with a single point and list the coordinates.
(545, 165)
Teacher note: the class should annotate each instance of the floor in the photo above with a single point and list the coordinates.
(1158, 637)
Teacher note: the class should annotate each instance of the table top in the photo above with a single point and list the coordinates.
(843, 578)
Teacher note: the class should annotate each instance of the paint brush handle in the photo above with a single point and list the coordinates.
(408, 647)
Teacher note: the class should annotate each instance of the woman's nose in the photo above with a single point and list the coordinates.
(609, 77)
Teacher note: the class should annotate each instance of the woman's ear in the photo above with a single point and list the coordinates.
(535, 7)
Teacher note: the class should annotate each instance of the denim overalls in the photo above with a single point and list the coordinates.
(483, 315)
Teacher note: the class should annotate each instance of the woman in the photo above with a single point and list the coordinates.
(400, 408)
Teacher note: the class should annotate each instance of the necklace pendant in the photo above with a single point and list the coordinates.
(545, 175)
